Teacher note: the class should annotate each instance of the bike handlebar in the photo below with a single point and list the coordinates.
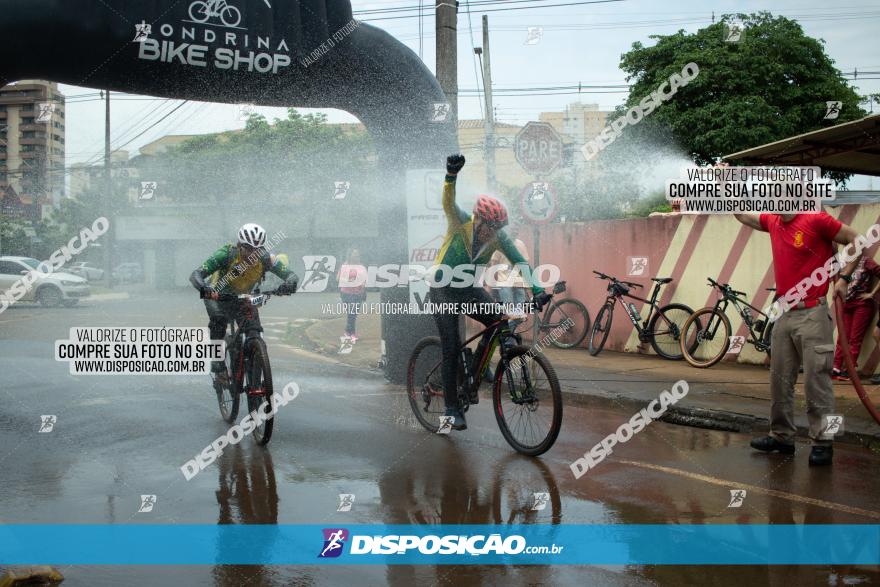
(250, 296)
(725, 287)
(615, 280)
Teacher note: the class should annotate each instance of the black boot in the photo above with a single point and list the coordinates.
(770, 444)
(821, 455)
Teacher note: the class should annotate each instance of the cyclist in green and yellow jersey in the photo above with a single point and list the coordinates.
(470, 241)
(237, 269)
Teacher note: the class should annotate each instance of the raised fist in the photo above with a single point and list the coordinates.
(454, 163)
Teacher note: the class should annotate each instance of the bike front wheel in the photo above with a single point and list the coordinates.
(665, 330)
(570, 319)
(258, 387)
(230, 16)
(767, 337)
(705, 337)
(527, 401)
(601, 328)
(227, 391)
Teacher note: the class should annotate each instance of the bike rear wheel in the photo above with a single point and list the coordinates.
(424, 383)
(258, 388)
(199, 12)
(559, 316)
(601, 328)
(527, 401)
(665, 330)
(705, 337)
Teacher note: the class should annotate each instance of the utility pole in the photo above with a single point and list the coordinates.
(490, 110)
(108, 194)
(446, 27)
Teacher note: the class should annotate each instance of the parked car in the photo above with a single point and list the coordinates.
(128, 273)
(52, 289)
(88, 270)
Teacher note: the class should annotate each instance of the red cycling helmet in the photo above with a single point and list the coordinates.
(491, 210)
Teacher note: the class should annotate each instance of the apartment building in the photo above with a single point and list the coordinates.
(32, 133)
(576, 124)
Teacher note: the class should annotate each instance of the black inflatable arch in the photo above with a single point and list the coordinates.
(307, 53)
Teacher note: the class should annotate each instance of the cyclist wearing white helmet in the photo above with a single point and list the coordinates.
(237, 269)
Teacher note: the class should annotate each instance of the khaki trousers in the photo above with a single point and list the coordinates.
(801, 336)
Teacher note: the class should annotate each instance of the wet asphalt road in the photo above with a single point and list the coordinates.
(118, 437)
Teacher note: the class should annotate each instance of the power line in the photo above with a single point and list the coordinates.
(484, 11)
(393, 9)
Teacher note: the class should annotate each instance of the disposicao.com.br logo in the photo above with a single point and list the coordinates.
(334, 540)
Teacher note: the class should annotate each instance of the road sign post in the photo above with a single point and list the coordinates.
(538, 204)
(538, 150)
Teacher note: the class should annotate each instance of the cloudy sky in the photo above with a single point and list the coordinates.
(579, 44)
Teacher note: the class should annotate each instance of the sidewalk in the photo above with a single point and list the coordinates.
(729, 396)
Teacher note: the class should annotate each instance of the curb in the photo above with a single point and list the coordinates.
(720, 420)
(34, 575)
(108, 296)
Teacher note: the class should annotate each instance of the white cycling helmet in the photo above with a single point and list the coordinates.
(252, 234)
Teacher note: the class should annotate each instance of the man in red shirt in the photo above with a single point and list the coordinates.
(802, 244)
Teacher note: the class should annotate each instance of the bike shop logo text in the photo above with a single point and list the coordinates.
(210, 23)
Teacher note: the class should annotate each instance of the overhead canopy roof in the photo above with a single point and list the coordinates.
(851, 147)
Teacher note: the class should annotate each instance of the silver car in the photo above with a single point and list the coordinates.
(53, 289)
(88, 270)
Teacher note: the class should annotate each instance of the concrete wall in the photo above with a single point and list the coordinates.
(687, 248)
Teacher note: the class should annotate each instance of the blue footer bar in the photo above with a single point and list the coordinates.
(640, 544)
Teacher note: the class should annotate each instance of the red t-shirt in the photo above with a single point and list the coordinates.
(352, 279)
(861, 280)
(799, 247)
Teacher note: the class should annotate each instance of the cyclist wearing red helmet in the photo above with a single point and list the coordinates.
(470, 240)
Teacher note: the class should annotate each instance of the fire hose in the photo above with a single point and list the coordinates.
(850, 364)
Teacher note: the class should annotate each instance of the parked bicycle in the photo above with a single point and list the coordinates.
(662, 327)
(526, 396)
(568, 315)
(703, 346)
(247, 370)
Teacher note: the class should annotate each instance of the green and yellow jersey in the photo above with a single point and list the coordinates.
(228, 272)
(457, 247)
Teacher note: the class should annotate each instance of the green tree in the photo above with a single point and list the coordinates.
(287, 161)
(13, 239)
(772, 84)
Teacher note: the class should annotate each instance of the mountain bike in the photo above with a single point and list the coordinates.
(662, 327)
(526, 396)
(569, 314)
(703, 346)
(247, 370)
(200, 11)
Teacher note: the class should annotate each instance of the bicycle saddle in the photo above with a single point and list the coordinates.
(661, 279)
